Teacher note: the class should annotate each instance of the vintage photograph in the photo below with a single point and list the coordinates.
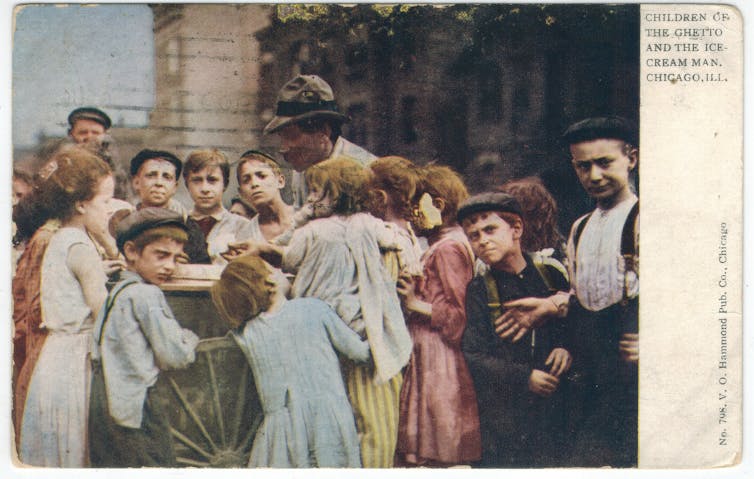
(326, 236)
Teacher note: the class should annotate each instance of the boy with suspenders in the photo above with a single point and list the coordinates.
(518, 383)
(135, 336)
(603, 311)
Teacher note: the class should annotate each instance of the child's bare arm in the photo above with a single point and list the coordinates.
(86, 265)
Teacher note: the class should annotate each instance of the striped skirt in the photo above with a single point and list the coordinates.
(375, 408)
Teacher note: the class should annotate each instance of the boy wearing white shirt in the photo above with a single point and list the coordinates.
(603, 262)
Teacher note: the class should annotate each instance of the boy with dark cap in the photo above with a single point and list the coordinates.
(135, 336)
(154, 179)
(603, 260)
(308, 121)
(517, 383)
(87, 123)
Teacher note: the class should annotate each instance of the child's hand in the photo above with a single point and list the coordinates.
(112, 266)
(561, 360)
(242, 248)
(542, 383)
(406, 288)
(182, 258)
(629, 347)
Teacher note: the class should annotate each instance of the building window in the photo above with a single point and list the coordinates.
(408, 120)
(357, 126)
(490, 101)
(357, 61)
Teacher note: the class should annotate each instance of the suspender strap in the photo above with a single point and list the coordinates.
(493, 298)
(109, 306)
(628, 237)
(629, 248)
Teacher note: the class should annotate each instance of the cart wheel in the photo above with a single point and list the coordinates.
(213, 407)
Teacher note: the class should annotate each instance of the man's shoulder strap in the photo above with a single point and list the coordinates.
(580, 228)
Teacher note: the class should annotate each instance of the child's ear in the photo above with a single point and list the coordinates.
(130, 251)
(518, 229)
(633, 158)
(79, 206)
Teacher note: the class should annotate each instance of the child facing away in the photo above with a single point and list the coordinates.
(392, 186)
(291, 346)
(516, 383)
(336, 257)
(77, 190)
(439, 423)
(135, 337)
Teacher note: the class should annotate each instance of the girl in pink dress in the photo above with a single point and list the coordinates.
(439, 421)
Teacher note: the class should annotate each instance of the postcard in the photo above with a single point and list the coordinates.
(604, 108)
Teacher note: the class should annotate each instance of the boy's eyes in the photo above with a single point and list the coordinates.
(600, 163)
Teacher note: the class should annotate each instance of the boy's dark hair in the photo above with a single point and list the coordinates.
(144, 155)
(614, 127)
(260, 156)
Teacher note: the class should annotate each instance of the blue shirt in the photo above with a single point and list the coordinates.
(140, 338)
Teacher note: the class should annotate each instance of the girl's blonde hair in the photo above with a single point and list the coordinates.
(242, 292)
(399, 178)
(443, 182)
(341, 179)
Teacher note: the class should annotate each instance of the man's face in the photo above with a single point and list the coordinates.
(156, 262)
(155, 182)
(302, 149)
(259, 184)
(20, 189)
(492, 239)
(206, 188)
(603, 166)
(84, 130)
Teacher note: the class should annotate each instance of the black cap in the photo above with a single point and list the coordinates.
(145, 155)
(490, 201)
(89, 113)
(145, 219)
(612, 127)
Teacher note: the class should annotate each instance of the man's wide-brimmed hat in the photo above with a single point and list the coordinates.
(304, 97)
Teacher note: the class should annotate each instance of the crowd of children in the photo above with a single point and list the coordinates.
(421, 327)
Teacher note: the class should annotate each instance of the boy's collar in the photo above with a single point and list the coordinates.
(130, 274)
(218, 216)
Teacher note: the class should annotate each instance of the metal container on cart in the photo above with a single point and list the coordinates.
(212, 405)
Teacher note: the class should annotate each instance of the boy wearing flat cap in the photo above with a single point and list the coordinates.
(87, 123)
(135, 336)
(517, 383)
(309, 124)
(154, 179)
(603, 260)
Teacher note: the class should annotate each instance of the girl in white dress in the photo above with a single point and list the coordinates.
(54, 424)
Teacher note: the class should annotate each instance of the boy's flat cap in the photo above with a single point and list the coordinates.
(611, 127)
(489, 201)
(145, 155)
(90, 113)
(145, 219)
